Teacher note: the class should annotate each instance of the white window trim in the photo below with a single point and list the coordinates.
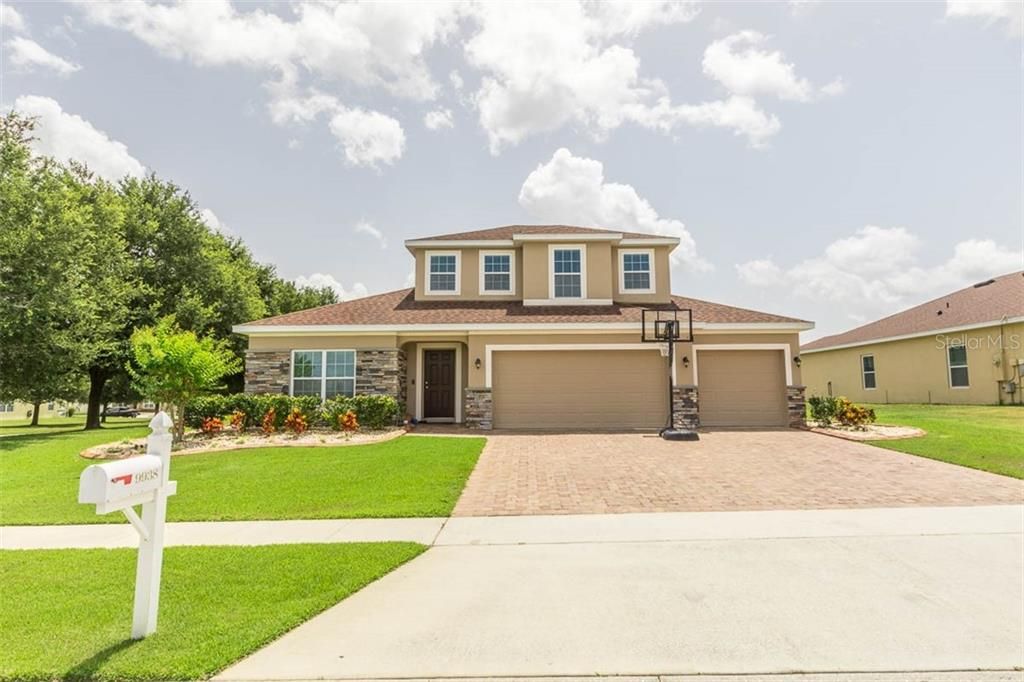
(323, 365)
(950, 367)
(864, 372)
(511, 272)
(787, 354)
(622, 271)
(582, 248)
(420, 347)
(458, 274)
(490, 349)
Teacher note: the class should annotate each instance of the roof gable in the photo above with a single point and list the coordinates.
(984, 302)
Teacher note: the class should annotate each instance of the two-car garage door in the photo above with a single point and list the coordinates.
(545, 389)
(615, 389)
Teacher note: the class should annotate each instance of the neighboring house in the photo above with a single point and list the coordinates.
(20, 410)
(536, 326)
(967, 347)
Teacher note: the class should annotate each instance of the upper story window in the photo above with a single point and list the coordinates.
(636, 271)
(567, 272)
(957, 357)
(442, 272)
(867, 371)
(497, 272)
(324, 373)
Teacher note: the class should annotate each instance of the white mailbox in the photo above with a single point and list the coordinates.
(120, 486)
(124, 483)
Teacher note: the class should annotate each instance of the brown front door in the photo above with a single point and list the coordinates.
(438, 384)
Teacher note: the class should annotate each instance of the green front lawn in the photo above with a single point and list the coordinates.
(404, 477)
(66, 614)
(986, 437)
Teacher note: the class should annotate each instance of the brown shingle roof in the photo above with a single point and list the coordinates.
(977, 304)
(401, 308)
(506, 232)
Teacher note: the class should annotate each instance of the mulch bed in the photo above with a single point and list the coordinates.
(870, 432)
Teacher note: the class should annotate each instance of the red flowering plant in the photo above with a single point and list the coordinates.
(238, 421)
(296, 422)
(267, 424)
(348, 422)
(212, 426)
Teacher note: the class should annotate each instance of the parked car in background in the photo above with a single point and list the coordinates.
(120, 411)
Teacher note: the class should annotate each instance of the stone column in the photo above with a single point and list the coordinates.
(684, 402)
(381, 371)
(478, 411)
(267, 371)
(796, 406)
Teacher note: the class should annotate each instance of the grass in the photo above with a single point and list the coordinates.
(404, 477)
(986, 437)
(66, 614)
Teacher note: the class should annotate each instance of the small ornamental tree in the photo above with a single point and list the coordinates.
(172, 366)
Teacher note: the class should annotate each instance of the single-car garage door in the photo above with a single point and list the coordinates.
(545, 389)
(741, 388)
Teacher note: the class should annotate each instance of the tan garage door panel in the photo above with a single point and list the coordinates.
(580, 389)
(741, 388)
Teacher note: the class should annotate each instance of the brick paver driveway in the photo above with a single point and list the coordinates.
(725, 470)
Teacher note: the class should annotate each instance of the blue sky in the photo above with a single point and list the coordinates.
(832, 161)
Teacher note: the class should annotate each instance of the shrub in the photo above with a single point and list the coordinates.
(334, 409)
(238, 421)
(296, 422)
(348, 421)
(856, 416)
(212, 426)
(267, 424)
(205, 407)
(823, 409)
(375, 411)
(70, 411)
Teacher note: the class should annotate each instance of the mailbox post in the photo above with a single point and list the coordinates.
(119, 486)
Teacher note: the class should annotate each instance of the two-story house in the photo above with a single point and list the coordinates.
(537, 327)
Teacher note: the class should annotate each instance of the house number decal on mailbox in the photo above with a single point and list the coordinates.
(140, 477)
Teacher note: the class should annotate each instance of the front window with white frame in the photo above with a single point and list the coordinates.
(443, 272)
(636, 271)
(956, 355)
(324, 373)
(497, 272)
(567, 272)
(6, 407)
(867, 371)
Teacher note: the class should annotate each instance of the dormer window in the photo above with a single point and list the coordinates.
(636, 271)
(497, 272)
(443, 272)
(568, 272)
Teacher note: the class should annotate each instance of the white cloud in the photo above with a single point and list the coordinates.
(27, 54)
(367, 228)
(549, 64)
(66, 136)
(877, 270)
(11, 18)
(320, 280)
(368, 137)
(214, 222)
(743, 68)
(1010, 12)
(438, 119)
(739, 114)
(372, 45)
(572, 190)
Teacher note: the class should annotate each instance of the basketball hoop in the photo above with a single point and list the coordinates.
(669, 327)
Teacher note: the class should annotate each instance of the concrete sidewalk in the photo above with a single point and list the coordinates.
(556, 529)
(896, 593)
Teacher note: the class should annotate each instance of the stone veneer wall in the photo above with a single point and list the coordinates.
(684, 400)
(796, 407)
(267, 371)
(381, 372)
(478, 412)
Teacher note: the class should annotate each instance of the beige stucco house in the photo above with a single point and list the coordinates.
(966, 347)
(537, 326)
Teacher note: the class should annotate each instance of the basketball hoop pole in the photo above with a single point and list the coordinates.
(672, 333)
(665, 327)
